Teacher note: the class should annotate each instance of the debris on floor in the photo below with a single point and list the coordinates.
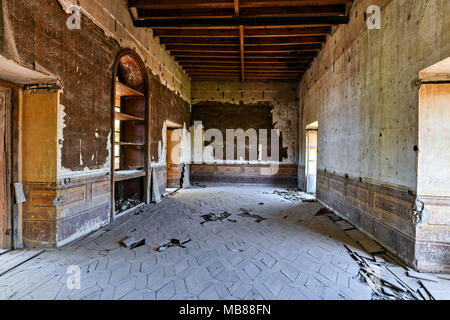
(198, 185)
(246, 214)
(392, 282)
(123, 204)
(211, 217)
(171, 191)
(132, 242)
(295, 194)
(172, 243)
(323, 212)
(371, 246)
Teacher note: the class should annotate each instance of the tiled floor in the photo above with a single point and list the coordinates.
(293, 254)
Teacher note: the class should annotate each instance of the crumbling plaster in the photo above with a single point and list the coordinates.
(114, 18)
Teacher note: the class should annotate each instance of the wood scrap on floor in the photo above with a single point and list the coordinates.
(132, 242)
(172, 243)
(13, 259)
(211, 217)
(246, 214)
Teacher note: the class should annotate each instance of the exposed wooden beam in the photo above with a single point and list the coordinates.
(236, 8)
(247, 64)
(248, 42)
(256, 56)
(241, 35)
(249, 33)
(184, 60)
(248, 68)
(226, 4)
(257, 12)
(246, 21)
(268, 48)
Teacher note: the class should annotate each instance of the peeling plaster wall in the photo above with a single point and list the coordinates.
(114, 18)
(282, 96)
(362, 90)
(36, 37)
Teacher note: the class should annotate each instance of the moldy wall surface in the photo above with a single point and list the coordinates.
(362, 90)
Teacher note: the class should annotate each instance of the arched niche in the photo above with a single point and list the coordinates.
(130, 147)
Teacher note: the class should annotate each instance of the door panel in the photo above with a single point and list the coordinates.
(173, 158)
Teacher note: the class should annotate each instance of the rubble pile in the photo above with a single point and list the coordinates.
(295, 194)
(123, 204)
(388, 278)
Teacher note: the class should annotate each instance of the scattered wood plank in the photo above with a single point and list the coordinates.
(16, 258)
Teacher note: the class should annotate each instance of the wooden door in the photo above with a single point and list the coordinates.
(173, 158)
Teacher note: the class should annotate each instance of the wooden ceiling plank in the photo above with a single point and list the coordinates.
(230, 33)
(246, 21)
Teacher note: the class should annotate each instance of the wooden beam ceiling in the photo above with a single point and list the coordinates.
(241, 39)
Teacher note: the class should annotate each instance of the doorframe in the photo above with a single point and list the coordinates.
(314, 126)
(11, 232)
(172, 126)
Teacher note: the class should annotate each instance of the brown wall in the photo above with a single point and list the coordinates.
(82, 59)
(250, 105)
(77, 200)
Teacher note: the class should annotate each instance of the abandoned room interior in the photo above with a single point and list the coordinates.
(225, 149)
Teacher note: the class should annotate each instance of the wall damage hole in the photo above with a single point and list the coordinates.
(246, 214)
(172, 243)
(296, 195)
(211, 217)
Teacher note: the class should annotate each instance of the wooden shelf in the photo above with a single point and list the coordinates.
(126, 117)
(125, 91)
(123, 175)
(130, 144)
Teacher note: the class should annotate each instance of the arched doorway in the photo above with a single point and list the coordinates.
(130, 174)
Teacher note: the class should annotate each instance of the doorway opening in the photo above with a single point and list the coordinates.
(173, 157)
(130, 127)
(311, 157)
(5, 172)
(433, 168)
